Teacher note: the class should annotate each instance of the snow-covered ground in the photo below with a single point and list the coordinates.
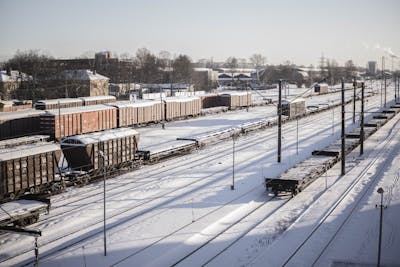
(183, 211)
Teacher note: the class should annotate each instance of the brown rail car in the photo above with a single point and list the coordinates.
(19, 123)
(28, 168)
(90, 152)
(72, 121)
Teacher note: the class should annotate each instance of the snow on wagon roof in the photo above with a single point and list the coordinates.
(77, 109)
(27, 150)
(98, 97)
(95, 137)
(59, 100)
(122, 104)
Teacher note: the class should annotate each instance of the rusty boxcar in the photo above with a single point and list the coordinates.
(28, 168)
(19, 123)
(91, 152)
(72, 121)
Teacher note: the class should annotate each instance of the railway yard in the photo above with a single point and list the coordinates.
(199, 198)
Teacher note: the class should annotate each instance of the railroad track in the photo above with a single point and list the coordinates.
(207, 159)
(342, 198)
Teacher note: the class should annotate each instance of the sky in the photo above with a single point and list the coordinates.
(281, 30)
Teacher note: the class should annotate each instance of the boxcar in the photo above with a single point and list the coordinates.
(210, 101)
(236, 99)
(19, 123)
(294, 108)
(91, 152)
(321, 88)
(176, 107)
(72, 121)
(58, 103)
(30, 167)
(133, 113)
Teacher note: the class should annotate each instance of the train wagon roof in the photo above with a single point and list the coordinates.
(58, 100)
(73, 110)
(121, 104)
(96, 137)
(240, 93)
(98, 97)
(181, 99)
(12, 115)
(22, 140)
(27, 150)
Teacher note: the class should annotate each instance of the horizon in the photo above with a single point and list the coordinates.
(299, 32)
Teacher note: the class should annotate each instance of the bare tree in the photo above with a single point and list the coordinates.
(257, 60)
(182, 69)
(148, 66)
(349, 70)
(232, 64)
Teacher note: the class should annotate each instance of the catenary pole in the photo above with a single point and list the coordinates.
(362, 120)
(343, 132)
(280, 121)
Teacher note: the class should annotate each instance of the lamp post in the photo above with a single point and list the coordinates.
(380, 191)
(233, 162)
(104, 200)
(280, 121)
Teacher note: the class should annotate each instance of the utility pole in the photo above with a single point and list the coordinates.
(362, 121)
(343, 132)
(101, 154)
(380, 191)
(384, 73)
(280, 121)
(233, 162)
(354, 99)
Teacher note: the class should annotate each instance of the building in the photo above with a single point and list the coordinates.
(205, 78)
(371, 68)
(10, 82)
(76, 83)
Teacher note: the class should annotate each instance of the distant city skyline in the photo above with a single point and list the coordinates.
(288, 30)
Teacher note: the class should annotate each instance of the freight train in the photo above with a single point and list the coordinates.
(34, 166)
(61, 118)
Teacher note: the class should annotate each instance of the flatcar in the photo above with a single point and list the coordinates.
(28, 168)
(93, 152)
(294, 108)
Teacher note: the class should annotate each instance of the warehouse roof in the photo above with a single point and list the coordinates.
(96, 137)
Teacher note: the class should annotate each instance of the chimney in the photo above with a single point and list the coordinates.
(9, 71)
(94, 72)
